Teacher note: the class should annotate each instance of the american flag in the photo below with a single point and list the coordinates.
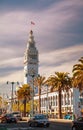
(32, 23)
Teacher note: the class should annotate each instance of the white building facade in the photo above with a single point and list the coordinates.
(70, 103)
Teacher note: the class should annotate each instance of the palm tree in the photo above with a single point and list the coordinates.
(58, 82)
(39, 82)
(78, 74)
(24, 94)
(0, 101)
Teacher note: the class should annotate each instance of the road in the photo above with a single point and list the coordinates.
(23, 125)
(20, 126)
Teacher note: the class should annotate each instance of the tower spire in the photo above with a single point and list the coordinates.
(31, 41)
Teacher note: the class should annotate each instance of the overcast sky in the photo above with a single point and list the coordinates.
(58, 33)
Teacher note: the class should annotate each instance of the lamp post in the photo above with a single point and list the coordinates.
(12, 97)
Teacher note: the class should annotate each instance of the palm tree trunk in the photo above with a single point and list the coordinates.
(25, 107)
(39, 100)
(18, 105)
(59, 101)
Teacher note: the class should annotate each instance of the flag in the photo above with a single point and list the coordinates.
(32, 23)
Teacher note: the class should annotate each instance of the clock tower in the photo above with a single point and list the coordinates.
(30, 60)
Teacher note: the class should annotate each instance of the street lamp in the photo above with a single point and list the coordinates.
(12, 93)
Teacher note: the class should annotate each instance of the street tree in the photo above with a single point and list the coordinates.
(78, 74)
(24, 94)
(58, 82)
(39, 82)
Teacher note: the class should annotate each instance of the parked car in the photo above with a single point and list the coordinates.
(17, 115)
(39, 120)
(77, 124)
(68, 116)
(8, 118)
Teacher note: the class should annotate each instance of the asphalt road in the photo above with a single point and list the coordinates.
(23, 125)
(23, 128)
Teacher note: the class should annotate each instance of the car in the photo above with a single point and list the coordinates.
(68, 117)
(17, 115)
(40, 120)
(77, 123)
(8, 118)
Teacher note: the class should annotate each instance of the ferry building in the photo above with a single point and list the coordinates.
(49, 100)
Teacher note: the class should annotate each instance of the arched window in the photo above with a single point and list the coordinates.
(53, 100)
(56, 100)
(71, 97)
(65, 98)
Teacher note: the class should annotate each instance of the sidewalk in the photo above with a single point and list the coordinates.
(50, 119)
(59, 120)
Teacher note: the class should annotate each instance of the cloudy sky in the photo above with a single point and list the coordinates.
(58, 33)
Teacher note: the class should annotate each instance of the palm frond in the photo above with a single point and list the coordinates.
(78, 74)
